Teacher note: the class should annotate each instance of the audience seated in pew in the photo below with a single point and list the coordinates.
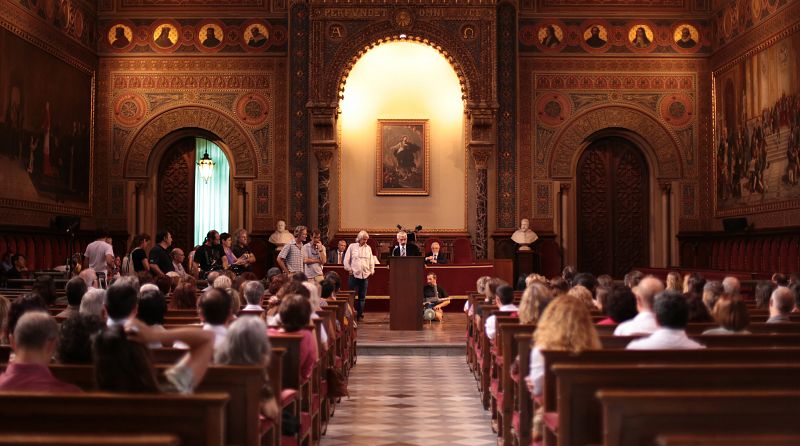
(253, 292)
(247, 344)
(762, 294)
(216, 312)
(672, 315)
(620, 306)
(34, 342)
(781, 304)
(645, 321)
(22, 305)
(504, 300)
(295, 316)
(184, 297)
(74, 340)
(122, 361)
(94, 303)
(732, 316)
(480, 285)
(534, 300)
(565, 325)
(121, 301)
(712, 291)
(674, 281)
(150, 309)
(75, 289)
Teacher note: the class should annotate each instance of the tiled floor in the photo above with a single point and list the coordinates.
(410, 400)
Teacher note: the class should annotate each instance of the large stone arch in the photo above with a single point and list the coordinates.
(659, 145)
(145, 145)
(330, 84)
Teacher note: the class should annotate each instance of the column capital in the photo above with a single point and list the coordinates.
(241, 187)
(565, 187)
(666, 187)
(481, 156)
(324, 157)
(140, 186)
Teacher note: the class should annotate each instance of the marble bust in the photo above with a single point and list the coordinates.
(281, 236)
(524, 236)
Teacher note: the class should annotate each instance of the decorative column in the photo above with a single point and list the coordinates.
(323, 145)
(139, 187)
(666, 189)
(562, 217)
(241, 193)
(324, 159)
(480, 157)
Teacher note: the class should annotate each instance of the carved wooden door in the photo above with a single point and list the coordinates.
(176, 193)
(613, 208)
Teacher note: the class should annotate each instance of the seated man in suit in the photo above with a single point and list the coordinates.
(435, 256)
(337, 257)
(404, 248)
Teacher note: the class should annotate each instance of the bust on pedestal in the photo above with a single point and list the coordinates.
(281, 236)
(524, 236)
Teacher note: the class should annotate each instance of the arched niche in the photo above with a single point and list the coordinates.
(148, 144)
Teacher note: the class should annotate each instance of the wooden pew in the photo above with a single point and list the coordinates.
(197, 419)
(579, 412)
(750, 417)
(297, 391)
(723, 439)
(508, 348)
(88, 440)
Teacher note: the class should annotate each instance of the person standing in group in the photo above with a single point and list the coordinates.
(360, 263)
(337, 257)
(100, 255)
(314, 256)
(290, 259)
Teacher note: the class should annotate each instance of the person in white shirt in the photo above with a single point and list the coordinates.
(253, 292)
(672, 315)
(645, 321)
(100, 255)
(360, 263)
(504, 299)
(177, 256)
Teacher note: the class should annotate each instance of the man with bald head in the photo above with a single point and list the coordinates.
(781, 303)
(645, 321)
(731, 286)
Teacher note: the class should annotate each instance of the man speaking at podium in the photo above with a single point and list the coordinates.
(403, 248)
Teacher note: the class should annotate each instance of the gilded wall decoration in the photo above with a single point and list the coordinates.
(193, 35)
(736, 17)
(508, 187)
(572, 137)
(72, 18)
(677, 109)
(298, 159)
(553, 109)
(130, 109)
(613, 36)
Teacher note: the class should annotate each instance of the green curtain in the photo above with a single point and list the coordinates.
(212, 199)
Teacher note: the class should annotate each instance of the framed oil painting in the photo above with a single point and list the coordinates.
(757, 131)
(402, 157)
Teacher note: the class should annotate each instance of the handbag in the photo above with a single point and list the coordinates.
(337, 383)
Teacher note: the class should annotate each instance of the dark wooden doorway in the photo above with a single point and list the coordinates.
(176, 193)
(613, 208)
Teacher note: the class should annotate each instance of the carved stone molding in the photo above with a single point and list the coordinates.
(567, 144)
(238, 141)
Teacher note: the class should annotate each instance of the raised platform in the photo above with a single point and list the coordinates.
(447, 338)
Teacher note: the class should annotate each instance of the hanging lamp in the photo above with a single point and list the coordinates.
(206, 165)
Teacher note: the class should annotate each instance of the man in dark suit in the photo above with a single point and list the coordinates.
(337, 257)
(403, 248)
(435, 256)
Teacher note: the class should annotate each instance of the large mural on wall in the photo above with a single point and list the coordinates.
(757, 131)
(45, 129)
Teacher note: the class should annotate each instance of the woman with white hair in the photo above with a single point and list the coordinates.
(94, 303)
(247, 344)
(360, 263)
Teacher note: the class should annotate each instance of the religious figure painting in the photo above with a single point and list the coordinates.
(210, 36)
(256, 35)
(120, 36)
(686, 36)
(45, 129)
(596, 36)
(165, 36)
(641, 36)
(757, 131)
(402, 157)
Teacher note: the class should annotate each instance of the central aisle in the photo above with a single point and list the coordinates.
(411, 400)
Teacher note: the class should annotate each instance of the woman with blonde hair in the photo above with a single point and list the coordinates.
(534, 300)
(565, 325)
(583, 294)
(732, 316)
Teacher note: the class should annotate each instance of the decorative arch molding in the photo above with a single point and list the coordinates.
(141, 151)
(655, 140)
(342, 61)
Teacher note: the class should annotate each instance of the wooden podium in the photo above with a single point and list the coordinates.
(406, 280)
